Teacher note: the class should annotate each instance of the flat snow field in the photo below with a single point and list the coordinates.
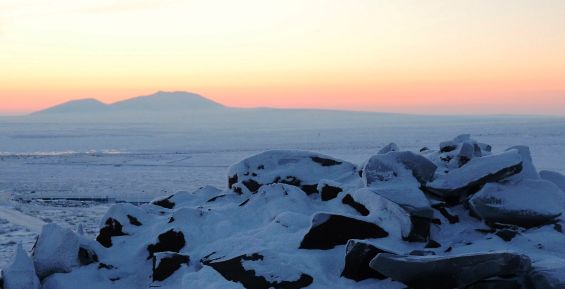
(138, 162)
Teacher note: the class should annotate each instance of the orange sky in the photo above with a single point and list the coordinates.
(471, 57)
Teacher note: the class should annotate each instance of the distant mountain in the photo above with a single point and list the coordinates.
(160, 102)
(88, 105)
(167, 102)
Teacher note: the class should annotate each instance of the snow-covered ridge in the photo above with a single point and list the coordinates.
(460, 216)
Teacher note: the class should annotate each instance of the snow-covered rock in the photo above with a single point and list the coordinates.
(358, 256)
(299, 168)
(554, 177)
(459, 182)
(451, 271)
(295, 219)
(20, 274)
(529, 203)
(166, 264)
(548, 274)
(261, 270)
(56, 251)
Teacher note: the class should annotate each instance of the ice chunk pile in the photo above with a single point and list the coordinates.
(461, 216)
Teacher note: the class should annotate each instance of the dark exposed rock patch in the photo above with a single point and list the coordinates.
(233, 270)
(328, 231)
(170, 241)
(112, 228)
(166, 264)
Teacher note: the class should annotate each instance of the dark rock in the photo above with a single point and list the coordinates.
(348, 200)
(232, 181)
(213, 199)
(420, 231)
(358, 255)
(87, 256)
(328, 231)
(112, 228)
(134, 221)
(499, 283)
(422, 253)
(169, 241)
(442, 208)
(329, 192)
(165, 203)
(167, 263)
(310, 189)
(105, 266)
(233, 270)
(326, 162)
(506, 235)
(433, 244)
(251, 185)
(443, 272)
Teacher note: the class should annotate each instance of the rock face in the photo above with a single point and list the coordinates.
(20, 274)
(296, 219)
(457, 183)
(166, 264)
(358, 256)
(250, 269)
(328, 231)
(299, 168)
(56, 251)
(527, 204)
(449, 272)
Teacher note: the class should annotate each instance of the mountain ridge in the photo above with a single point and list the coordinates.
(161, 101)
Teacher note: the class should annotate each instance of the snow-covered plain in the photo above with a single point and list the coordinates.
(141, 161)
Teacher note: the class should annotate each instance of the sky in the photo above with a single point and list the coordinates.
(431, 57)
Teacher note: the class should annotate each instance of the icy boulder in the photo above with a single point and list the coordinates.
(554, 177)
(20, 274)
(299, 168)
(445, 272)
(398, 176)
(527, 204)
(56, 251)
(396, 167)
(458, 152)
(459, 182)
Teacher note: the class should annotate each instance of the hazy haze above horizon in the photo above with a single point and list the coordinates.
(426, 57)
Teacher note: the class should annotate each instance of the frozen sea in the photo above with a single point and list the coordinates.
(140, 161)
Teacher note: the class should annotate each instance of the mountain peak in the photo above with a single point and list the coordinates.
(167, 101)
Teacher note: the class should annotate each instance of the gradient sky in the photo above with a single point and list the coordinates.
(474, 56)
